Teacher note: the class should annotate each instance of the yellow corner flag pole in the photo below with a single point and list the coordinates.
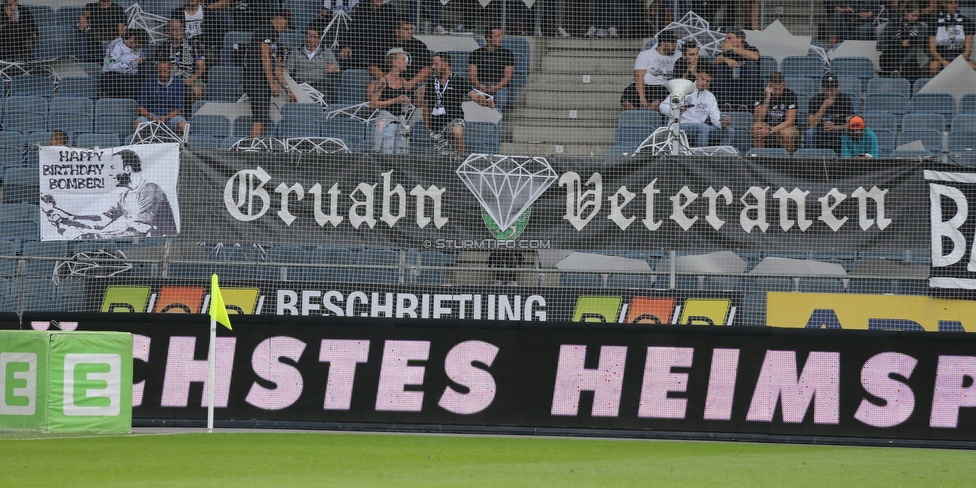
(218, 313)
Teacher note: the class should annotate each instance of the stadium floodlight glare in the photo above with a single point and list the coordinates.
(506, 185)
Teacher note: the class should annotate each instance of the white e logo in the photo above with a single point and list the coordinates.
(92, 385)
(18, 383)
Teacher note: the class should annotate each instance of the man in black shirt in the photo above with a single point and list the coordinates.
(737, 77)
(370, 31)
(491, 68)
(828, 112)
(443, 114)
(102, 21)
(775, 113)
(418, 59)
(950, 36)
(18, 32)
(264, 66)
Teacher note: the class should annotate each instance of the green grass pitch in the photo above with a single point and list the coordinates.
(327, 459)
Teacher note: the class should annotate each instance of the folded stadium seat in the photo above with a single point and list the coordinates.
(581, 280)
(894, 103)
(352, 86)
(962, 141)
(881, 121)
(821, 285)
(635, 281)
(31, 86)
(768, 152)
(68, 16)
(8, 261)
(25, 114)
(330, 255)
(43, 249)
(351, 131)
(861, 67)
(246, 256)
(389, 259)
(923, 121)
(38, 294)
(78, 86)
(919, 83)
(435, 259)
(301, 120)
(232, 50)
(931, 139)
(767, 64)
(71, 295)
(886, 141)
(71, 114)
(98, 140)
(115, 116)
(808, 66)
(871, 286)
(21, 185)
(895, 86)
(967, 104)
(11, 157)
(288, 254)
(224, 83)
(939, 103)
(814, 153)
(207, 131)
(802, 85)
(482, 137)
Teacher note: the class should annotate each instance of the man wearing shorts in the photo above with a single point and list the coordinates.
(264, 71)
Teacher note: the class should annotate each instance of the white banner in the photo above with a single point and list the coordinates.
(110, 193)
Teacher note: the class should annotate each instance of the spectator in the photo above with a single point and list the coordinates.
(737, 77)
(606, 15)
(188, 63)
(120, 69)
(18, 33)
(315, 63)
(264, 71)
(101, 22)
(859, 141)
(331, 7)
(362, 45)
(697, 108)
(828, 112)
(775, 113)
(194, 20)
(675, 10)
(553, 13)
(418, 60)
(59, 138)
(161, 99)
(652, 70)
(389, 95)
(443, 115)
(900, 39)
(687, 66)
(851, 19)
(950, 36)
(490, 69)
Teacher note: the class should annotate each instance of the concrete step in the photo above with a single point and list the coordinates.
(565, 135)
(576, 82)
(592, 65)
(557, 101)
(610, 120)
(551, 149)
(609, 114)
(555, 45)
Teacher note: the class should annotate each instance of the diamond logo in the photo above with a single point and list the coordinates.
(506, 185)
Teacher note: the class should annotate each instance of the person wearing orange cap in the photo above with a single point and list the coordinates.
(859, 141)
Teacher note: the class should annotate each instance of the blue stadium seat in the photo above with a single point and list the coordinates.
(881, 120)
(233, 47)
(31, 85)
(862, 68)
(68, 16)
(886, 141)
(245, 256)
(8, 265)
(115, 115)
(640, 118)
(55, 41)
(332, 256)
(964, 122)
(768, 152)
(767, 64)
(98, 140)
(886, 102)
(213, 125)
(71, 295)
(639, 282)
(242, 127)
(301, 120)
(434, 259)
(808, 66)
(351, 131)
(43, 14)
(39, 294)
(224, 83)
(931, 139)
(631, 136)
(352, 86)
(19, 221)
(302, 12)
(802, 85)
(389, 259)
(70, 114)
(923, 121)
(962, 141)
(967, 104)
(293, 39)
(21, 185)
(919, 84)
(581, 280)
(43, 249)
(25, 114)
(482, 137)
(523, 62)
(851, 86)
(78, 86)
(290, 254)
(895, 86)
(11, 157)
(11, 138)
(939, 103)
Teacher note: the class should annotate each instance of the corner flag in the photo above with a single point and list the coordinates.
(218, 311)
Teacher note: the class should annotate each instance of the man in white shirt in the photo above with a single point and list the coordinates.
(697, 108)
(652, 71)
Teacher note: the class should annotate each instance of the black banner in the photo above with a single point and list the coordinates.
(683, 203)
(569, 376)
